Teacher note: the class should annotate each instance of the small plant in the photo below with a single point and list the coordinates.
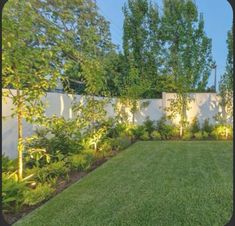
(78, 162)
(149, 125)
(187, 135)
(120, 143)
(166, 130)
(8, 165)
(205, 135)
(195, 126)
(145, 136)
(156, 135)
(40, 193)
(105, 147)
(207, 127)
(12, 192)
(222, 132)
(198, 135)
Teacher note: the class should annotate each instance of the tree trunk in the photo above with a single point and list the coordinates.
(20, 146)
(226, 132)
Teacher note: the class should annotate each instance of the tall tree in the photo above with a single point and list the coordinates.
(28, 66)
(142, 43)
(226, 86)
(188, 57)
(189, 54)
(83, 39)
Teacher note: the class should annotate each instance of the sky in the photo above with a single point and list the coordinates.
(217, 16)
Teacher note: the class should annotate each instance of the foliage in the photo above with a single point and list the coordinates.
(37, 157)
(149, 125)
(155, 135)
(8, 165)
(40, 193)
(12, 192)
(187, 135)
(166, 130)
(52, 170)
(120, 143)
(178, 108)
(145, 136)
(226, 86)
(198, 135)
(195, 126)
(79, 161)
(207, 127)
(105, 148)
(222, 132)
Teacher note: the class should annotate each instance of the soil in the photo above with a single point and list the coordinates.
(61, 184)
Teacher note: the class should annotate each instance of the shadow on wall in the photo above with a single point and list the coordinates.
(208, 108)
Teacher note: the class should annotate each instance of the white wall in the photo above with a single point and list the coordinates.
(205, 105)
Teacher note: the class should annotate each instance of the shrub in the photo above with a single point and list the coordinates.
(207, 127)
(79, 162)
(120, 143)
(156, 135)
(105, 148)
(166, 130)
(145, 136)
(198, 135)
(187, 135)
(12, 193)
(219, 132)
(205, 135)
(53, 170)
(149, 125)
(138, 131)
(8, 165)
(40, 193)
(195, 126)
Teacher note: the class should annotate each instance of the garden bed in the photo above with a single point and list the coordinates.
(165, 182)
(60, 186)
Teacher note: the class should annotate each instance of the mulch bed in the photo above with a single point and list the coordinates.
(61, 184)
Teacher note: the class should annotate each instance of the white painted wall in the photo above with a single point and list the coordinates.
(204, 106)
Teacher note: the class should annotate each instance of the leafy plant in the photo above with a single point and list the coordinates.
(195, 126)
(8, 165)
(40, 193)
(145, 136)
(156, 135)
(120, 143)
(149, 125)
(207, 127)
(12, 192)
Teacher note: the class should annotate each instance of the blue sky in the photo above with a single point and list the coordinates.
(217, 16)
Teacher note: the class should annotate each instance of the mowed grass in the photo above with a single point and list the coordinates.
(151, 183)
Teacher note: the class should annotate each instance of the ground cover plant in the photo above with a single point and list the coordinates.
(163, 183)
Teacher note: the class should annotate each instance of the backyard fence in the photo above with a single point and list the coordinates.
(204, 106)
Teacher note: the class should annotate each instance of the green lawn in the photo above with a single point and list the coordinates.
(149, 184)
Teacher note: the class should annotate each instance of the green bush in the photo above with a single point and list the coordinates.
(145, 136)
(166, 130)
(79, 162)
(156, 135)
(149, 125)
(138, 131)
(120, 143)
(8, 165)
(187, 135)
(105, 148)
(205, 135)
(195, 126)
(40, 193)
(53, 170)
(198, 135)
(219, 132)
(207, 127)
(12, 193)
